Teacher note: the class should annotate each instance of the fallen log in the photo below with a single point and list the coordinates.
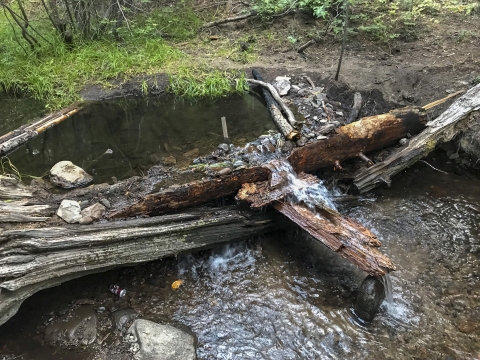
(230, 19)
(38, 258)
(305, 46)
(18, 137)
(364, 135)
(442, 129)
(346, 237)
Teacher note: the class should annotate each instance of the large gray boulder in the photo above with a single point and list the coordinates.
(68, 176)
(161, 342)
(69, 211)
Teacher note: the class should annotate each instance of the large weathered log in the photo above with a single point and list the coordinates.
(34, 257)
(364, 135)
(442, 129)
(348, 238)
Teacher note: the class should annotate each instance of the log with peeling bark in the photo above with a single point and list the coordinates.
(34, 259)
(364, 135)
(367, 134)
(442, 129)
(345, 236)
(12, 140)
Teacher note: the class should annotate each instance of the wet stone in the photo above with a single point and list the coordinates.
(239, 163)
(105, 203)
(467, 326)
(95, 211)
(192, 153)
(164, 342)
(169, 160)
(122, 317)
(78, 327)
(301, 142)
(369, 298)
(224, 147)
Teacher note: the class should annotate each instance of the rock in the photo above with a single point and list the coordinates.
(287, 146)
(169, 160)
(322, 137)
(78, 327)
(339, 113)
(40, 184)
(467, 326)
(85, 220)
(282, 84)
(454, 156)
(369, 298)
(105, 203)
(470, 140)
(403, 141)
(67, 175)
(224, 171)
(301, 142)
(224, 147)
(155, 158)
(192, 153)
(69, 211)
(96, 211)
(123, 317)
(239, 163)
(161, 342)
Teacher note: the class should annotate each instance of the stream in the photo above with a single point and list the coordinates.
(283, 296)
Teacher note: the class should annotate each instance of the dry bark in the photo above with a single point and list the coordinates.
(442, 129)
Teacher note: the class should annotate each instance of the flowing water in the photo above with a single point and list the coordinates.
(286, 296)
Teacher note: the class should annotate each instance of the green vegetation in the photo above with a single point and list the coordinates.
(381, 20)
(52, 52)
(201, 82)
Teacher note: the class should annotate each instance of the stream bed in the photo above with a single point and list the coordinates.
(283, 296)
(287, 297)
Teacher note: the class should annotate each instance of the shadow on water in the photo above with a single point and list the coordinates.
(125, 137)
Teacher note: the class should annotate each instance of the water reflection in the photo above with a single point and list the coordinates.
(125, 137)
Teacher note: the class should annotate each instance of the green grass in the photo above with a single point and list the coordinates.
(204, 82)
(56, 74)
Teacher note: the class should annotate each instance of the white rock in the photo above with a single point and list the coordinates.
(282, 84)
(161, 342)
(67, 175)
(69, 211)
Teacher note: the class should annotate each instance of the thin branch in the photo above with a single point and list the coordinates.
(345, 29)
(14, 32)
(231, 19)
(123, 14)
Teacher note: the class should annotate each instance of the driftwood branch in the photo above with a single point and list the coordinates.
(442, 129)
(230, 19)
(305, 46)
(278, 99)
(12, 140)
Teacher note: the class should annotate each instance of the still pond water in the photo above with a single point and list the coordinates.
(285, 296)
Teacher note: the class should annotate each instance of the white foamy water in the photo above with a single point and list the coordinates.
(300, 191)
